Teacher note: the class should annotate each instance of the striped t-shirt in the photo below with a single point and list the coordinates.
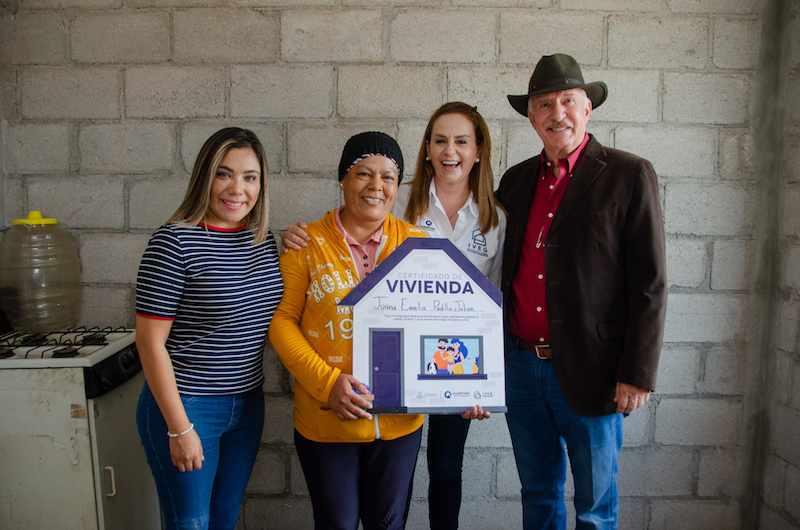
(220, 291)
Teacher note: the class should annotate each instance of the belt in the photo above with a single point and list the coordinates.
(543, 351)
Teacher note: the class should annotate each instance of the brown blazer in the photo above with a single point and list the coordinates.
(605, 272)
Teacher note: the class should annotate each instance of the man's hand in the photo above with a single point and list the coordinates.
(295, 237)
(630, 398)
(346, 403)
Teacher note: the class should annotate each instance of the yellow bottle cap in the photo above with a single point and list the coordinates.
(35, 218)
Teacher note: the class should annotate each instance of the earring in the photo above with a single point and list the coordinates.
(427, 159)
(477, 160)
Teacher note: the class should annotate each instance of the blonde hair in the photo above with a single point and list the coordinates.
(197, 201)
(481, 183)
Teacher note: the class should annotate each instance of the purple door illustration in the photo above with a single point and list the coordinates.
(386, 353)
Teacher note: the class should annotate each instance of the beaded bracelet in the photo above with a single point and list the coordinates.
(175, 435)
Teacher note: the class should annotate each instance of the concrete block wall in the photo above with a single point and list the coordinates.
(105, 104)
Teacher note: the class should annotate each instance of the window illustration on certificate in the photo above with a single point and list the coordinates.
(452, 357)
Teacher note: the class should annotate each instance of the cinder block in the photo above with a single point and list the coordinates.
(274, 372)
(477, 475)
(182, 3)
(111, 257)
(709, 209)
(721, 99)
(80, 202)
(106, 306)
(33, 38)
(508, 484)
(791, 274)
(300, 199)
(438, 36)
(194, 134)
(320, 36)
(716, 7)
(638, 6)
(318, 148)
(8, 93)
(409, 137)
(281, 512)
(151, 202)
(731, 267)
(278, 427)
(663, 42)
(770, 519)
(792, 492)
(704, 317)
(84, 4)
(374, 3)
(735, 43)
(480, 514)
(489, 433)
(632, 514)
(298, 485)
(37, 148)
(14, 197)
(774, 481)
(695, 515)
(724, 371)
(655, 472)
(632, 95)
(678, 370)
(792, 215)
(659, 145)
(133, 147)
(269, 473)
(784, 372)
(686, 262)
(784, 433)
(282, 91)
(698, 422)
(389, 91)
(523, 143)
(120, 37)
(735, 154)
(487, 88)
(205, 36)
(69, 93)
(175, 92)
(720, 473)
(637, 431)
(522, 38)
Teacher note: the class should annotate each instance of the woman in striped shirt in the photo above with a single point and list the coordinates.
(207, 287)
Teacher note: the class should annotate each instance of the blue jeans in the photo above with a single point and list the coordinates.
(541, 423)
(230, 431)
(447, 435)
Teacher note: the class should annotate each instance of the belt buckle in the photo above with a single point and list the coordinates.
(537, 351)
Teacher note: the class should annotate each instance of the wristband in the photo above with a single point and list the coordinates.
(175, 435)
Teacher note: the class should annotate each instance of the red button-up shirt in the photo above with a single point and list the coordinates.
(529, 314)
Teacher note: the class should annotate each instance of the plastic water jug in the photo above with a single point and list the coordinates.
(40, 276)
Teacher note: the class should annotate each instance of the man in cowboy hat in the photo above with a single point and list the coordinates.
(585, 289)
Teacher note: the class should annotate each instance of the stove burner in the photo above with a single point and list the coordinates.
(31, 340)
(93, 339)
(6, 352)
(66, 351)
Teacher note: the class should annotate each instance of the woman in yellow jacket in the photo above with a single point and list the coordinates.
(356, 465)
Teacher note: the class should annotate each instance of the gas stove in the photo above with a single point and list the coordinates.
(79, 347)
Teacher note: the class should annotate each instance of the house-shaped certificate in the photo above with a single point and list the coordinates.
(428, 332)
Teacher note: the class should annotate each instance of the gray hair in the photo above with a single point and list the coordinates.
(585, 96)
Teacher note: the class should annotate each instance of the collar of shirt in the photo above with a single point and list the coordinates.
(470, 205)
(364, 255)
(568, 162)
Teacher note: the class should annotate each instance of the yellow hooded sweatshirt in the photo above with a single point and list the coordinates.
(313, 335)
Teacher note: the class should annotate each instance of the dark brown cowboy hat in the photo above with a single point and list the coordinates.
(555, 73)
